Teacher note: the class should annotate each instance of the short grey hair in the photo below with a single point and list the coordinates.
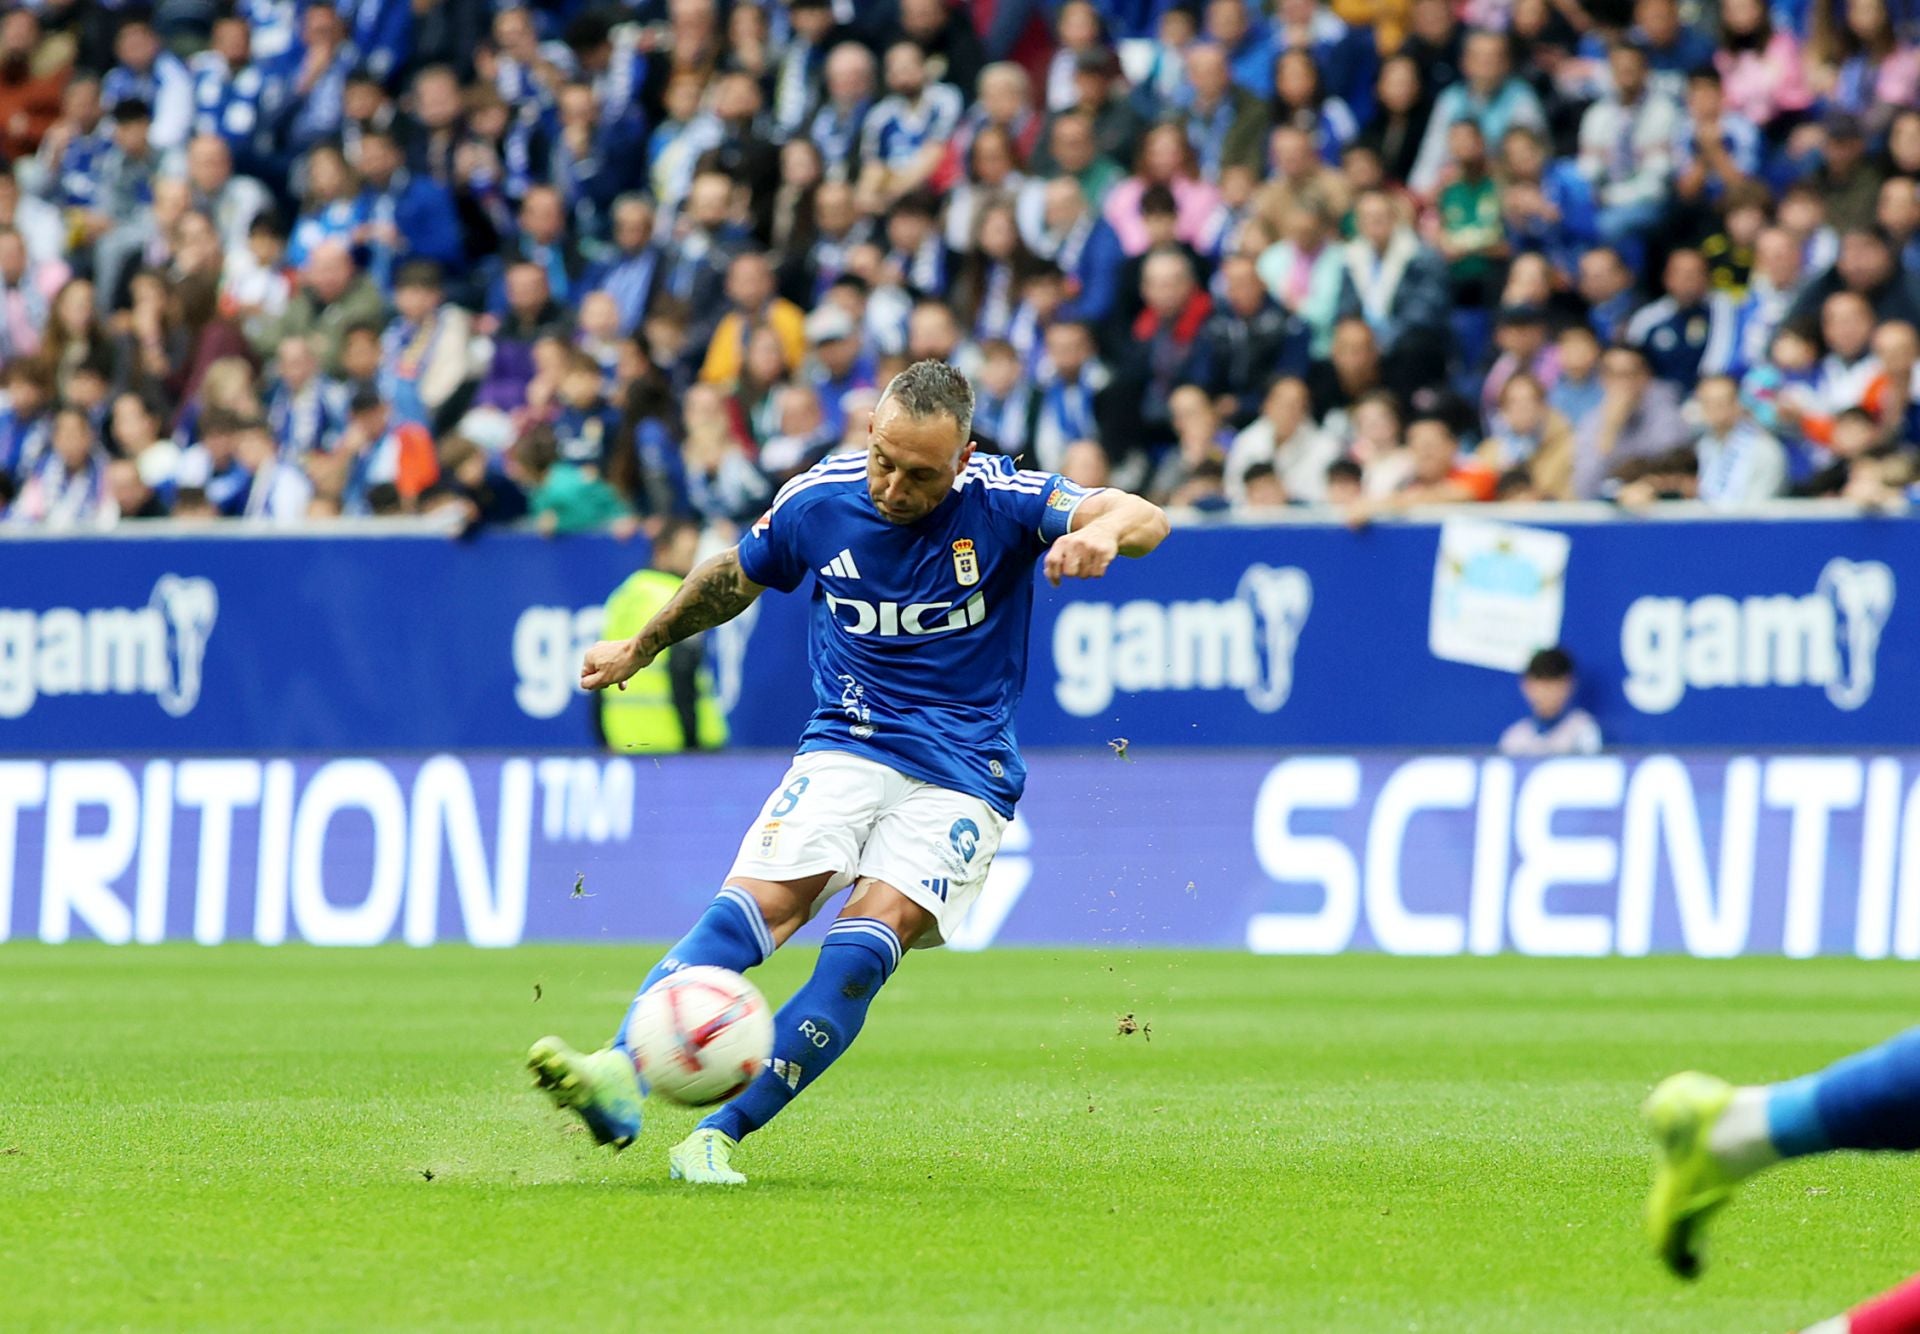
(932, 389)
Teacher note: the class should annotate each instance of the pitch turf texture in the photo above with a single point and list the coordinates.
(246, 1139)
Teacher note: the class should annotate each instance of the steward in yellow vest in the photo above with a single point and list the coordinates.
(668, 705)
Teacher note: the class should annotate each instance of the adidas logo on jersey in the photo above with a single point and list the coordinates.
(842, 565)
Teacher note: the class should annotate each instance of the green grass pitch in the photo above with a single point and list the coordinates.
(247, 1139)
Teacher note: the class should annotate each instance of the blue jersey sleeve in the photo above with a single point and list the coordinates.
(1045, 503)
(1041, 504)
(768, 552)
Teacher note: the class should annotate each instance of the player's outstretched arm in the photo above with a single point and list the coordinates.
(1107, 524)
(716, 592)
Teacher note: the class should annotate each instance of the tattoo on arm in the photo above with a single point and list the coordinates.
(713, 594)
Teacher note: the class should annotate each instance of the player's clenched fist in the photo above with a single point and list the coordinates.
(609, 663)
(1081, 555)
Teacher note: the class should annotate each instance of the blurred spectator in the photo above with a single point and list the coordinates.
(1070, 148)
(1760, 66)
(1262, 490)
(1167, 159)
(1739, 464)
(331, 297)
(1193, 471)
(1304, 270)
(374, 453)
(277, 492)
(66, 486)
(1248, 340)
(1859, 466)
(1079, 399)
(751, 303)
(1867, 266)
(1398, 130)
(1690, 331)
(1857, 61)
(1520, 334)
(129, 496)
(722, 482)
(904, 137)
(1226, 124)
(1084, 247)
(1352, 369)
(1302, 101)
(1160, 220)
(1167, 350)
(1284, 440)
(1547, 204)
(425, 353)
(1553, 726)
(1489, 93)
(306, 410)
(1638, 417)
(30, 89)
(838, 365)
(1439, 472)
(1528, 434)
(1399, 288)
(1607, 286)
(841, 116)
(561, 496)
(1004, 406)
(147, 73)
(1626, 150)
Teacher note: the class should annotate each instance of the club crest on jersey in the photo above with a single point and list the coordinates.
(1061, 499)
(769, 837)
(966, 565)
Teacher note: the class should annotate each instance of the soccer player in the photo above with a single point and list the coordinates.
(922, 557)
(1712, 1135)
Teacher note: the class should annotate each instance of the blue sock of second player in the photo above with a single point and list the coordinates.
(818, 1024)
(730, 934)
(1867, 1101)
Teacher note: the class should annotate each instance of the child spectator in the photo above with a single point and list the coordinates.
(585, 427)
(278, 492)
(1344, 477)
(67, 487)
(1552, 725)
(564, 498)
(1261, 489)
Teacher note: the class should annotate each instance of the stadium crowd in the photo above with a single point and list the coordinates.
(307, 258)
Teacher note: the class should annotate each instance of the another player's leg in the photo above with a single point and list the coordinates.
(1712, 1135)
(813, 1029)
(742, 927)
(1895, 1312)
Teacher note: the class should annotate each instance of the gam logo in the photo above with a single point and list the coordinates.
(1828, 638)
(1245, 643)
(157, 650)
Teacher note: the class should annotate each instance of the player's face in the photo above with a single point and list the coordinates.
(911, 462)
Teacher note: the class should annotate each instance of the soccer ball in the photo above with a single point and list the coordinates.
(701, 1035)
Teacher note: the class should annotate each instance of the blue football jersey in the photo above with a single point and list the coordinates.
(918, 642)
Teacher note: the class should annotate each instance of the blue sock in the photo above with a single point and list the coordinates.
(818, 1024)
(730, 934)
(1867, 1101)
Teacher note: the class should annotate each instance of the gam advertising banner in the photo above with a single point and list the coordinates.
(1408, 854)
(1731, 633)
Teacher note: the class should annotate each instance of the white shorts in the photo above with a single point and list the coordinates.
(857, 818)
